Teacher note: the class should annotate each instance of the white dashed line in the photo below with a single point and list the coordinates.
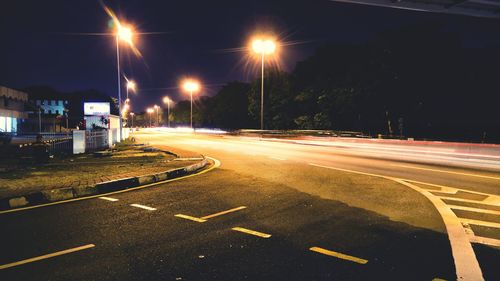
(143, 207)
(46, 256)
(108, 199)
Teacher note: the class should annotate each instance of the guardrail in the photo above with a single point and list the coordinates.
(58, 143)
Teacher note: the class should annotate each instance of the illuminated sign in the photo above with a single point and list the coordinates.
(96, 108)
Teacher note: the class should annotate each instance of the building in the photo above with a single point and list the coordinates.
(53, 107)
(12, 109)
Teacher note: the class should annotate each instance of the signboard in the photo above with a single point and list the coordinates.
(96, 108)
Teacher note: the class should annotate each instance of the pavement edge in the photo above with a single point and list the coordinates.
(61, 194)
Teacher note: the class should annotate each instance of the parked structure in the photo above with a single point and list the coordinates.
(12, 109)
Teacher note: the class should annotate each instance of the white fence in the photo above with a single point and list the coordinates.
(89, 141)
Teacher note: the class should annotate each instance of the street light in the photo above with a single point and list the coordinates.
(191, 86)
(157, 108)
(150, 111)
(130, 86)
(132, 117)
(167, 100)
(263, 46)
(126, 34)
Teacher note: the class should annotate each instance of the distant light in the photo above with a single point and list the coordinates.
(167, 100)
(264, 46)
(150, 110)
(131, 85)
(125, 33)
(191, 85)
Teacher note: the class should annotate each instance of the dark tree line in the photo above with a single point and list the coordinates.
(418, 81)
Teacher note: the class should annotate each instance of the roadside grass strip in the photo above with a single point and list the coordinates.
(143, 207)
(108, 199)
(189, 218)
(338, 255)
(47, 256)
(223, 212)
(251, 232)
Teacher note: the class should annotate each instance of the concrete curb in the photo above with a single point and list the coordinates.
(54, 195)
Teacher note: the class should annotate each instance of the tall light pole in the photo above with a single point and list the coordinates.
(191, 86)
(150, 111)
(263, 47)
(130, 86)
(167, 101)
(123, 33)
(157, 108)
(132, 117)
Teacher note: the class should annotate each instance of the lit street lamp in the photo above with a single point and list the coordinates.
(167, 101)
(130, 86)
(132, 118)
(191, 86)
(150, 111)
(157, 108)
(123, 33)
(263, 47)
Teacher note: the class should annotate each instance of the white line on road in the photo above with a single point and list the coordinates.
(466, 264)
(143, 207)
(251, 232)
(189, 218)
(476, 210)
(47, 256)
(448, 172)
(338, 255)
(479, 222)
(108, 199)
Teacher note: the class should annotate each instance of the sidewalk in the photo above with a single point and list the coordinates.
(82, 171)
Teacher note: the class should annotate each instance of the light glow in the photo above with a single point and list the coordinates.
(263, 46)
(131, 85)
(191, 85)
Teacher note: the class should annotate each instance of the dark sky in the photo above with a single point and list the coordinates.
(40, 42)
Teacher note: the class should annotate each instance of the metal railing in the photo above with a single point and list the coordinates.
(96, 140)
(58, 143)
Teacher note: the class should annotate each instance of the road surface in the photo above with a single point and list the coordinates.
(271, 211)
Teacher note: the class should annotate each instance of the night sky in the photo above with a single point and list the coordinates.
(47, 42)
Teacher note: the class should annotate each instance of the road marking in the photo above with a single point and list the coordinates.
(223, 212)
(251, 232)
(486, 241)
(143, 207)
(448, 172)
(466, 264)
(277, 158)
(217, 164)
(476, 210)
(451, 190)
(338, 255)
(108, 198)
(483, 202)
(190, 218)
(479, 222)
(46, 256)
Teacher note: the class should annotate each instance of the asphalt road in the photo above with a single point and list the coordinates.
(310, 221)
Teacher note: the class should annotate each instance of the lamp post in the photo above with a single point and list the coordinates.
(132, 118)
(191, 86)
(263, 47)
(123, 33)
(150, 111)
(167, 101)
(157, 108)
(130, 86)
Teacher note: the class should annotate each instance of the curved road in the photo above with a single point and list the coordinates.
(271, 211)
